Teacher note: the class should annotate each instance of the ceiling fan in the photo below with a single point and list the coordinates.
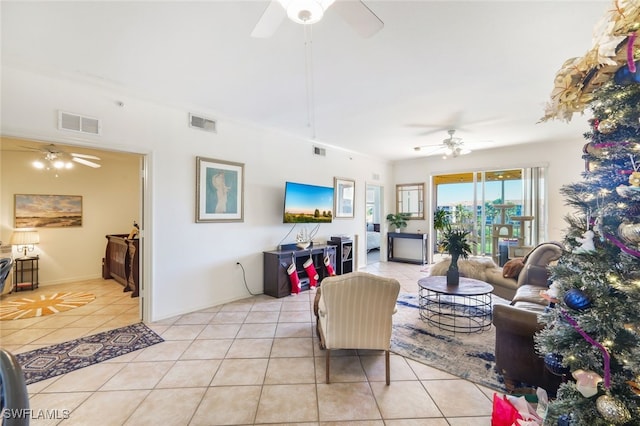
(356, 13)
(56, 159)
(454, 121)
(453, 146)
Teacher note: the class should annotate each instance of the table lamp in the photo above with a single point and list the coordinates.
(25, 240)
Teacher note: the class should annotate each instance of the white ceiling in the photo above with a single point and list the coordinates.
(486, 68)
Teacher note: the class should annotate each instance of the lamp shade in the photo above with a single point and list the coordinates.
(23, 238)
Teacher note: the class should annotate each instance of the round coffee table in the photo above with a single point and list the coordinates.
(465, 308)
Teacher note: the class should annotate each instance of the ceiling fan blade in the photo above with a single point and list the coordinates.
(87, 156)
(429, 132)
(31, 148)
(359, 16)
(270, 20)
(429, 149)
(86, 162)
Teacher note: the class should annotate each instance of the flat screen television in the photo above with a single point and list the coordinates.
(307, 203)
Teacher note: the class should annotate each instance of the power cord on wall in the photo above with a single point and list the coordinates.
(244, 278)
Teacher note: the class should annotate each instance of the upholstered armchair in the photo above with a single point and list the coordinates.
(6, 284)
(13, 391)
(355, 312)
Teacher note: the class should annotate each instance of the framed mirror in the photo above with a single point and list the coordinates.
(410, 200)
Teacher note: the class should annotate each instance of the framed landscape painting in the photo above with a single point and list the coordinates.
(47, 211)
(219, 190)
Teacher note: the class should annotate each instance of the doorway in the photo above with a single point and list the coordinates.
(373, 215)
(120, 179)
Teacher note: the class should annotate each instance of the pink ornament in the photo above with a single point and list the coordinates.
(586, 382)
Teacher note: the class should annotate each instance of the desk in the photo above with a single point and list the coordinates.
(26, 273)
(465, 308)
(391, 236)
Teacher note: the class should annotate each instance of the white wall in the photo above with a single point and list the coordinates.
(188, 265)
(110, 204)
(563, 161)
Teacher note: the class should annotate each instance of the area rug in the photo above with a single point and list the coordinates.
(51, 361)
(43, 304)
(470, 356)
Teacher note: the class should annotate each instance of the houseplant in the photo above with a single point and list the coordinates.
(455, 243)
(441, 219)
(398, 220)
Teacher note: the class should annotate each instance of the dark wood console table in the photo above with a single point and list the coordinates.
(391, 236)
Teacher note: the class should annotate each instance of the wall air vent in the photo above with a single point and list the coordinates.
(78, 123)
(202, 123)
(319, 151)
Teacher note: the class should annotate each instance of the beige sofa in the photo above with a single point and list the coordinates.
(534, 273)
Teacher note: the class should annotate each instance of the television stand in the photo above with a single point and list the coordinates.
(276, 262)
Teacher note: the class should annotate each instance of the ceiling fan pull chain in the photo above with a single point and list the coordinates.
(308, 50)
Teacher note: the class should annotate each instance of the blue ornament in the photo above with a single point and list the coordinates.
(553, 363)
(577, 299)
(564, 420)
(624, 77)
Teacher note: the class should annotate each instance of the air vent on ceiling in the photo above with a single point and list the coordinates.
(78, 123)
(202, 123)
(319, 151)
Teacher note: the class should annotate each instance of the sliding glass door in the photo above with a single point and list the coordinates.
(503, 209)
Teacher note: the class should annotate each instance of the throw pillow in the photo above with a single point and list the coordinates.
(512, 268)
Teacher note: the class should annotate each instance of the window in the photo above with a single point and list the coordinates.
(478, 201)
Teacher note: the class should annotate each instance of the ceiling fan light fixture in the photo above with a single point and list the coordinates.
(305, 11)
(38, 164)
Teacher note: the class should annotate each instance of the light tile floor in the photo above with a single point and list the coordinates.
(254, 361)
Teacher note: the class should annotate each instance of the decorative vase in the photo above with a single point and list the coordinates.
(453, 277)
(303, 244)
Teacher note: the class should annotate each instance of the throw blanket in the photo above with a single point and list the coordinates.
(475, 268)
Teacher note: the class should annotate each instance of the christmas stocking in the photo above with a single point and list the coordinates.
(311, 273)
(294, 279)
(327, 265)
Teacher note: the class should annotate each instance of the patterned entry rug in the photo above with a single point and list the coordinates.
(43, 304)
(51, 361)
(470, 356)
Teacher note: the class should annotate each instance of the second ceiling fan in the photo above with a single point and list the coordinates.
(55, 158)
(452, 146)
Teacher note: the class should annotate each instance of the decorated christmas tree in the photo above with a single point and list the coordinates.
(592, 332)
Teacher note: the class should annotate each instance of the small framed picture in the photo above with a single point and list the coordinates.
(219, 190)
(344, 195)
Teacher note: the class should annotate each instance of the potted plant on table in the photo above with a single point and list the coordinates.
(398, 220)
(455, 243)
